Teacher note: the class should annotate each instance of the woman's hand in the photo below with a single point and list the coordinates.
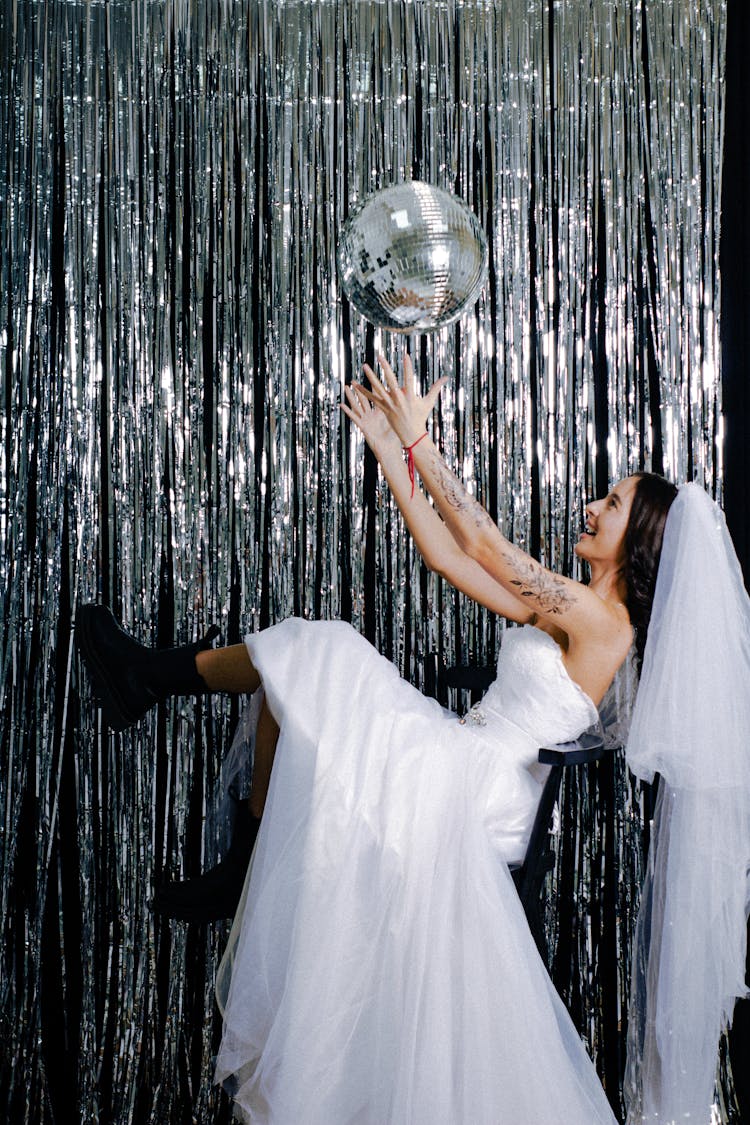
(373, 423)
(405, 410)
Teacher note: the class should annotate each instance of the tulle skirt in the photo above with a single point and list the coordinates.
(380, 970)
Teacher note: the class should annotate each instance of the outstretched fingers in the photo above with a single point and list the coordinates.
(388, 373)
(434, 392)
(351, 390)
(404, 408)
(409, 388)
(377, 390)
(356, 406)
(410, 377)
(361, 396)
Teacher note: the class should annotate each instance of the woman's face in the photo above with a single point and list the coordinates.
(603, 539)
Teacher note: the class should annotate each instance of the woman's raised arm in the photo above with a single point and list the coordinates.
(569, 605)
(434, 541)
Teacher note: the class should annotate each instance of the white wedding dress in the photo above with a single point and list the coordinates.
(380, 970)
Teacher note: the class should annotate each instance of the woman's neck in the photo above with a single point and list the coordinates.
(609, 584)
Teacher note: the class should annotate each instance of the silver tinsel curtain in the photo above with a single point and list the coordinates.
(173, 346)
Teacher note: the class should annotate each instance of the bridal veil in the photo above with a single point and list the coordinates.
(691, 725)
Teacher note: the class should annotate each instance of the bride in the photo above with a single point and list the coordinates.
(380, 970)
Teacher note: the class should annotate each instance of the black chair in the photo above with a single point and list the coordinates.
(529, 877)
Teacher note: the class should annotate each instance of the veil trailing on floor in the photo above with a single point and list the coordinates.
(691, 725)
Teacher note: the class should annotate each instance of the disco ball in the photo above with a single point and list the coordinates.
(412, 257)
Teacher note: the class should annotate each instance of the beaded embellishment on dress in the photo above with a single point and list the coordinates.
(476, 716)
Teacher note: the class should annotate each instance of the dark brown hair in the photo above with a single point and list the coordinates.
(652, 500)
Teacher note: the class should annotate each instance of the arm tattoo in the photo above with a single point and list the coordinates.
(533, 581)
(456, 496)
(551, 593)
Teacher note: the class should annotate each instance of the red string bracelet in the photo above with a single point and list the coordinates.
(409, 451)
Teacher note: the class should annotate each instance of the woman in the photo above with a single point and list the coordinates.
(380, 969)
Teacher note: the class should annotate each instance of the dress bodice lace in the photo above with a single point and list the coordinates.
(534, 691)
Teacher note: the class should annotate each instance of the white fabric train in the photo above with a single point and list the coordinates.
(380, 969)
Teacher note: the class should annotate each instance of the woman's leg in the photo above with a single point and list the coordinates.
(230, 669)
(129, 678)
(227, 669)
(216, 893)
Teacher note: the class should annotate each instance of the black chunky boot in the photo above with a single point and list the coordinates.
(216, 893)
(129, 679)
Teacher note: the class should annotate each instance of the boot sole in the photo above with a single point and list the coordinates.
(114, 707)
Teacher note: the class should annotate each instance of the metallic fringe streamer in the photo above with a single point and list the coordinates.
(173, 344)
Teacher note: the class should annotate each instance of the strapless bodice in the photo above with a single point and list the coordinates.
(534, 691)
